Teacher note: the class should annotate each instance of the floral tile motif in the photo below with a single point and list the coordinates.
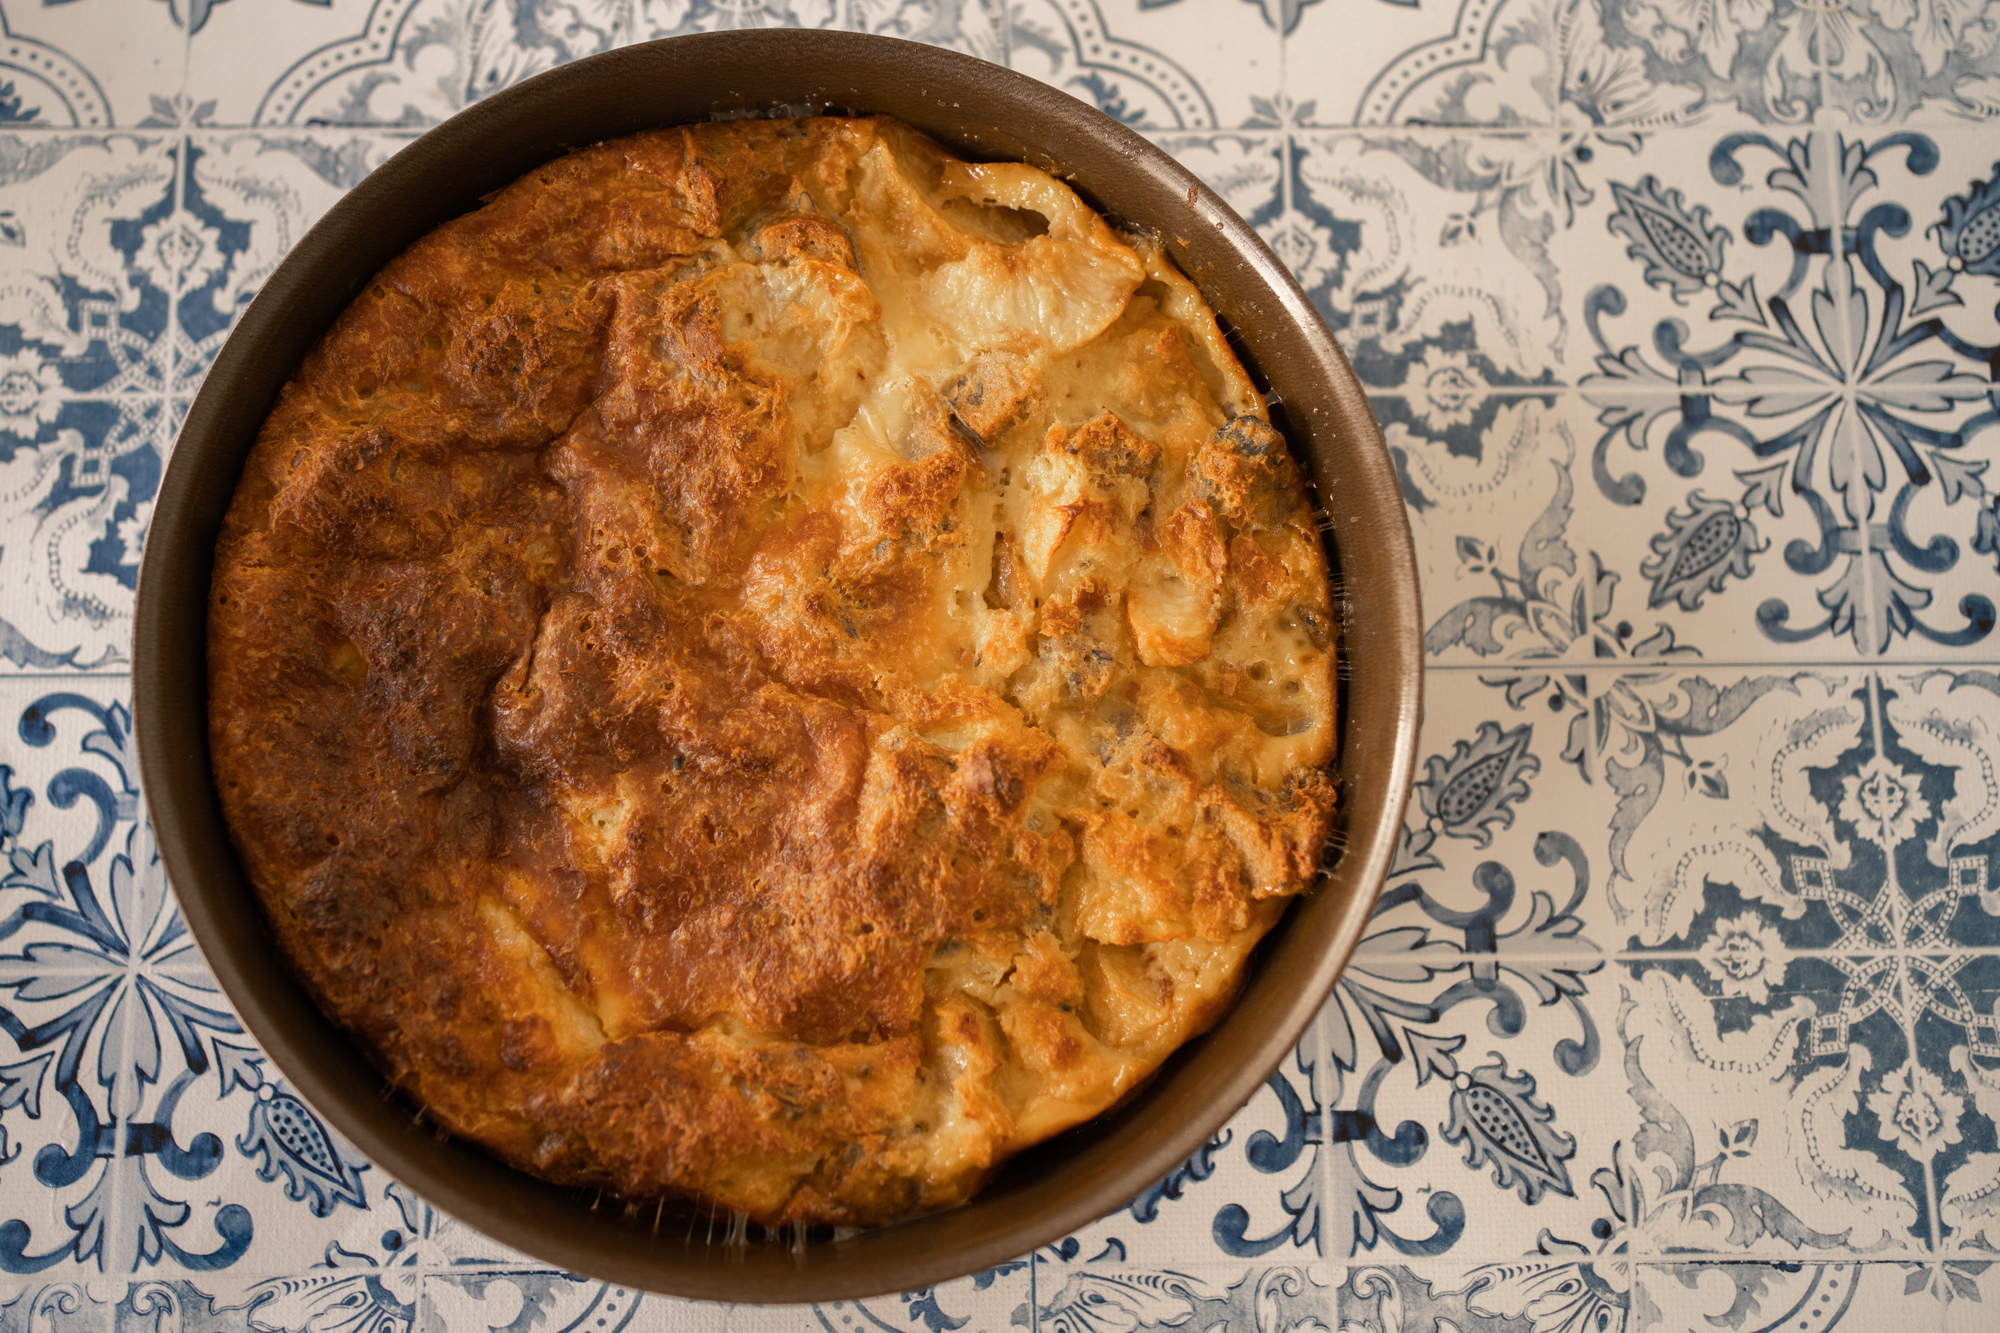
(349, 1291)
(1598, 71)
(93, 256)
(1860, 807)
(1926, 277)
(131, 1103)
(1491, 499)
(1794, 872)
(1518, 565)
(1969, 1205)
(1427, 255)
(1389, 1295)
(249, 196)
(995, 1301)
(1247, 168)
(975, 26)
(1134, 59)
(414, 62)
(1133, 65)
(1769, 1133)
(1973, 1284)
(124, 259)
(1890, 62)
(67, 67)
(1703, 578)
(1800, 1298)
(1811, 943)
(1846, 406)
(389, 62)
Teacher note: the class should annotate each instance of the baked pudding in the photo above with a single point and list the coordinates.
(771, 665)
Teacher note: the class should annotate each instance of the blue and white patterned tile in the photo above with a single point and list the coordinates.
(653, 19)
(1505, 850)
(1891, 63)
(94, 65)
(1154, 64)
(140, 1128)
(1490, 484)
(1962, 1046)
(1196, 1213)
(1803, 923)
(1475, 63)
(92, 256)
(976, 27)
(1521, 562)
(346, 1290)
(1076, 1288)
(1689, 568)
(1689, 235)
(1487, 1137)
(1846, 1295)
(1428, 254)
(123, 262)
(1974, 1286)
(405, 63)
(247, 198)
(1245, 167)
(1922, 280)
(1624, 70)
(1785, 422)
(1827, 799)
(1602, 72)
(1940, 738)
(1549, 1293)
(995, 1301)
(406, 1266)
(1785, 1117)
(87, 268)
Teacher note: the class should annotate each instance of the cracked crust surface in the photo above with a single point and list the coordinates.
(772, 665)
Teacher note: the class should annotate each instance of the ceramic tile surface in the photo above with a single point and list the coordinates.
(1678, 1010)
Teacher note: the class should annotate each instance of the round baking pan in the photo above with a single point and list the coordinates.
(983, 112)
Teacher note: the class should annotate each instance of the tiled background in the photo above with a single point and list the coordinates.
(1679, 1011)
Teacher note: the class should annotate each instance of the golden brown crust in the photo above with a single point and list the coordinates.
(769, 664)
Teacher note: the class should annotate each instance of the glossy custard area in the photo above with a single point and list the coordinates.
(770, 664)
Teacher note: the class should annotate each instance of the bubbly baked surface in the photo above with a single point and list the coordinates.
(769, 664)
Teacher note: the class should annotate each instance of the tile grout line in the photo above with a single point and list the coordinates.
(1034, 1302)
(1324, 1073)
(169, 372)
